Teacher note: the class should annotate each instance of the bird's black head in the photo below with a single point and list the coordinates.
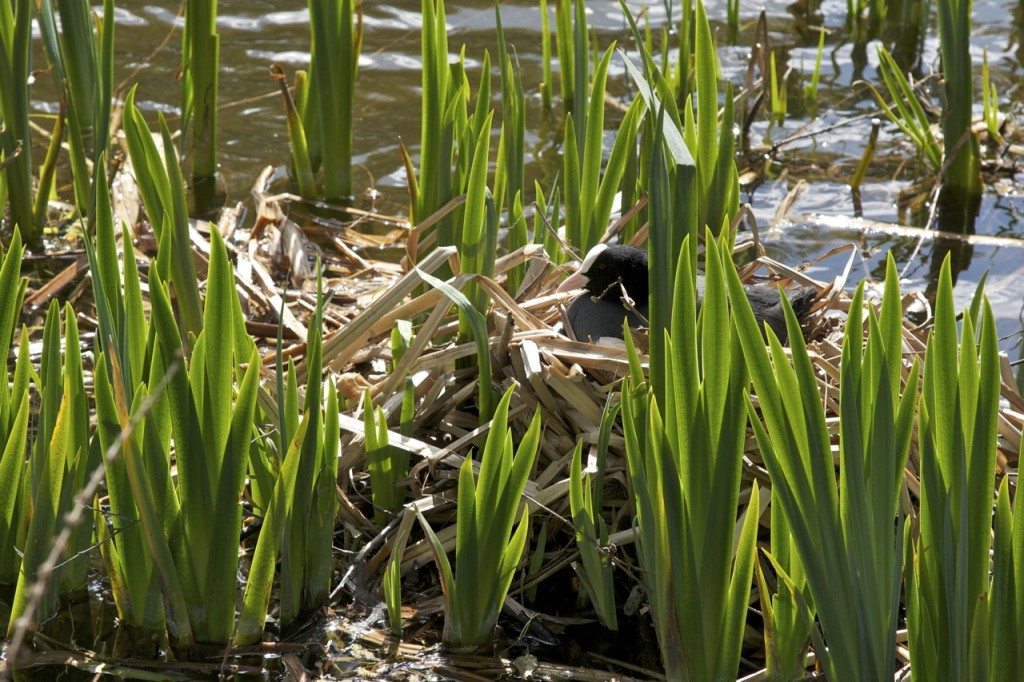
(607, 265)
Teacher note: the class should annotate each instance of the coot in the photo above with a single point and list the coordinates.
(608, 271)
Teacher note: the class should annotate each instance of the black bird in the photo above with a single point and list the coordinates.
(607, 270)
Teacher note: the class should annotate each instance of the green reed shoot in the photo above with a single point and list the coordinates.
(216, 424)
(947, 566)
(671, 202)
(477, 239)
(655, 87)
(663, 49)
(864, 17)
(962, 174)
(60, 385)
(536, 563)
(545, 217)
(276, 520)
(82, 55)
(200, 66)
(590, 191)
(58, 465)
(487, 551)
(163, 195)
(468, 125)
(989, 101)
(683, 77)
(140, 556)
(431, 187)
(518, 236)
(595, 569)
(81, 459)
(684, 448)
(392, 584)
(732, 19)
(700, 149)
(713, 143)
(477, 325)
(323, 511)
(908, 115)
(690, 175)
(387, 465)
(48, 171)
(83, 63)
(47, 490)
(401, 338)
(306, 559)
(4, 161)
(847, 533)
(571, 45)
(123, 353)
(407, 415)
(337, 37)
(14, 285)
(811, 91)
(513, 122)
(14, 414)
(291, 494)
(788, 616)
(1006, 626)
(302, 164)
(867, 156)
(906, 29)
(129, 552)
(118, 298)
(15, 136)
(778, 89)
(545, 54)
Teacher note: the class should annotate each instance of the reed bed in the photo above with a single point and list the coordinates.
(250, 451)
(569, 384)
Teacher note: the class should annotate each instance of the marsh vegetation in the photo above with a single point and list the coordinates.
(290, 387)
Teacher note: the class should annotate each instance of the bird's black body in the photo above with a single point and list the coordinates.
(593, 320)
(608, 270)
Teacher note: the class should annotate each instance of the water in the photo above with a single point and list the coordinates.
(256, 34)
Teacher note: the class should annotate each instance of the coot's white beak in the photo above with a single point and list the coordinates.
(576, 280)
